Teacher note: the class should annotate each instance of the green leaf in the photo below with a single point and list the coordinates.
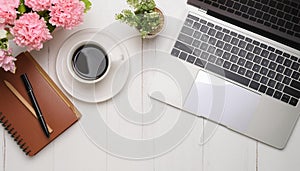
(87, 4)
(22, 8)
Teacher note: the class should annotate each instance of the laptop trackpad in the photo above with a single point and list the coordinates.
(221, 101)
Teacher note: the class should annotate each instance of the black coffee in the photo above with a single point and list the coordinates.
(90, 62)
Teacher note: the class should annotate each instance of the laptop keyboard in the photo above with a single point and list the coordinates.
(239, 58)
(282, 15)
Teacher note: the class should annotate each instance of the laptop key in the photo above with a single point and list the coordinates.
(249, 47)
(219, 28)
(229, 3)
(272, 65)
(203, 46)
(197, 52)
(279, 77)
(272, 56)
(234, 50)
(193, 17)
(263, 71)
(187, 30)
(219, 52)
(183, 56)
(294, 58)
(220, 61)
(234, 59)
(248, 65)
(256, 68)
(175, 52)
(203, 21)
(212, 58)
(211, 49)
(242, 44)
(226, 55)
(279, 59)
(196, 25)
(293, 101)
(242, 53)
(241, 62)
(196, 43)
(264, 53)
(249, 73)
(262, 88)
(227, 38)
(185, 39)
(265, 62)
(256, 77)
(295, 66)
(204, 38)
(257, 59)
(211, 32)
(220, 44)
(227, 47)
(234, 41)
(234, 68)
(204, 55)
(279, 86)
(197, 35)
(295, 84)
(288, 72)
(199, 62)
(254, 85)
(191, 59)
(270, 91)
(257, 50)
(285, 98)
(212, 41)
(296, 75)
(264, 80)
(219, 35)
(280, 69)
(286, 80)
(184, 47)
(277, 95)
(227, 74)
(271, 83)
(242, 71)
(204, 29)
(271, 74)
(291, 91)
(188, 22)
(226, 64)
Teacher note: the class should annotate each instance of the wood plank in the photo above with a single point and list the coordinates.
(185, 154)
(227, 150)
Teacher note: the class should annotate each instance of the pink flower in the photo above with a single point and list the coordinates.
(10, 3)
(38, 5)
(8, 11)
(67, 13)
(7, 61)
(30, 31)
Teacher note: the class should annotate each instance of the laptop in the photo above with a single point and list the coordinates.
(245, 57)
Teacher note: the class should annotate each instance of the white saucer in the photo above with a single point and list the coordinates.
(100, 91)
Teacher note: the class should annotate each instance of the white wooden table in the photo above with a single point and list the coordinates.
(223, 150)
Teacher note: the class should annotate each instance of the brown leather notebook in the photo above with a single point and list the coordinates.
(58, 111)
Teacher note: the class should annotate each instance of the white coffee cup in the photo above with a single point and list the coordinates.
(88, 62)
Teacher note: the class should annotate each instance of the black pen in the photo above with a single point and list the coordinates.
(35, 104)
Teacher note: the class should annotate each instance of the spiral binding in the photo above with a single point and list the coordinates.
(14, 134)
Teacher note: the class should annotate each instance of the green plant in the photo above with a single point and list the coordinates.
(143, 16)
